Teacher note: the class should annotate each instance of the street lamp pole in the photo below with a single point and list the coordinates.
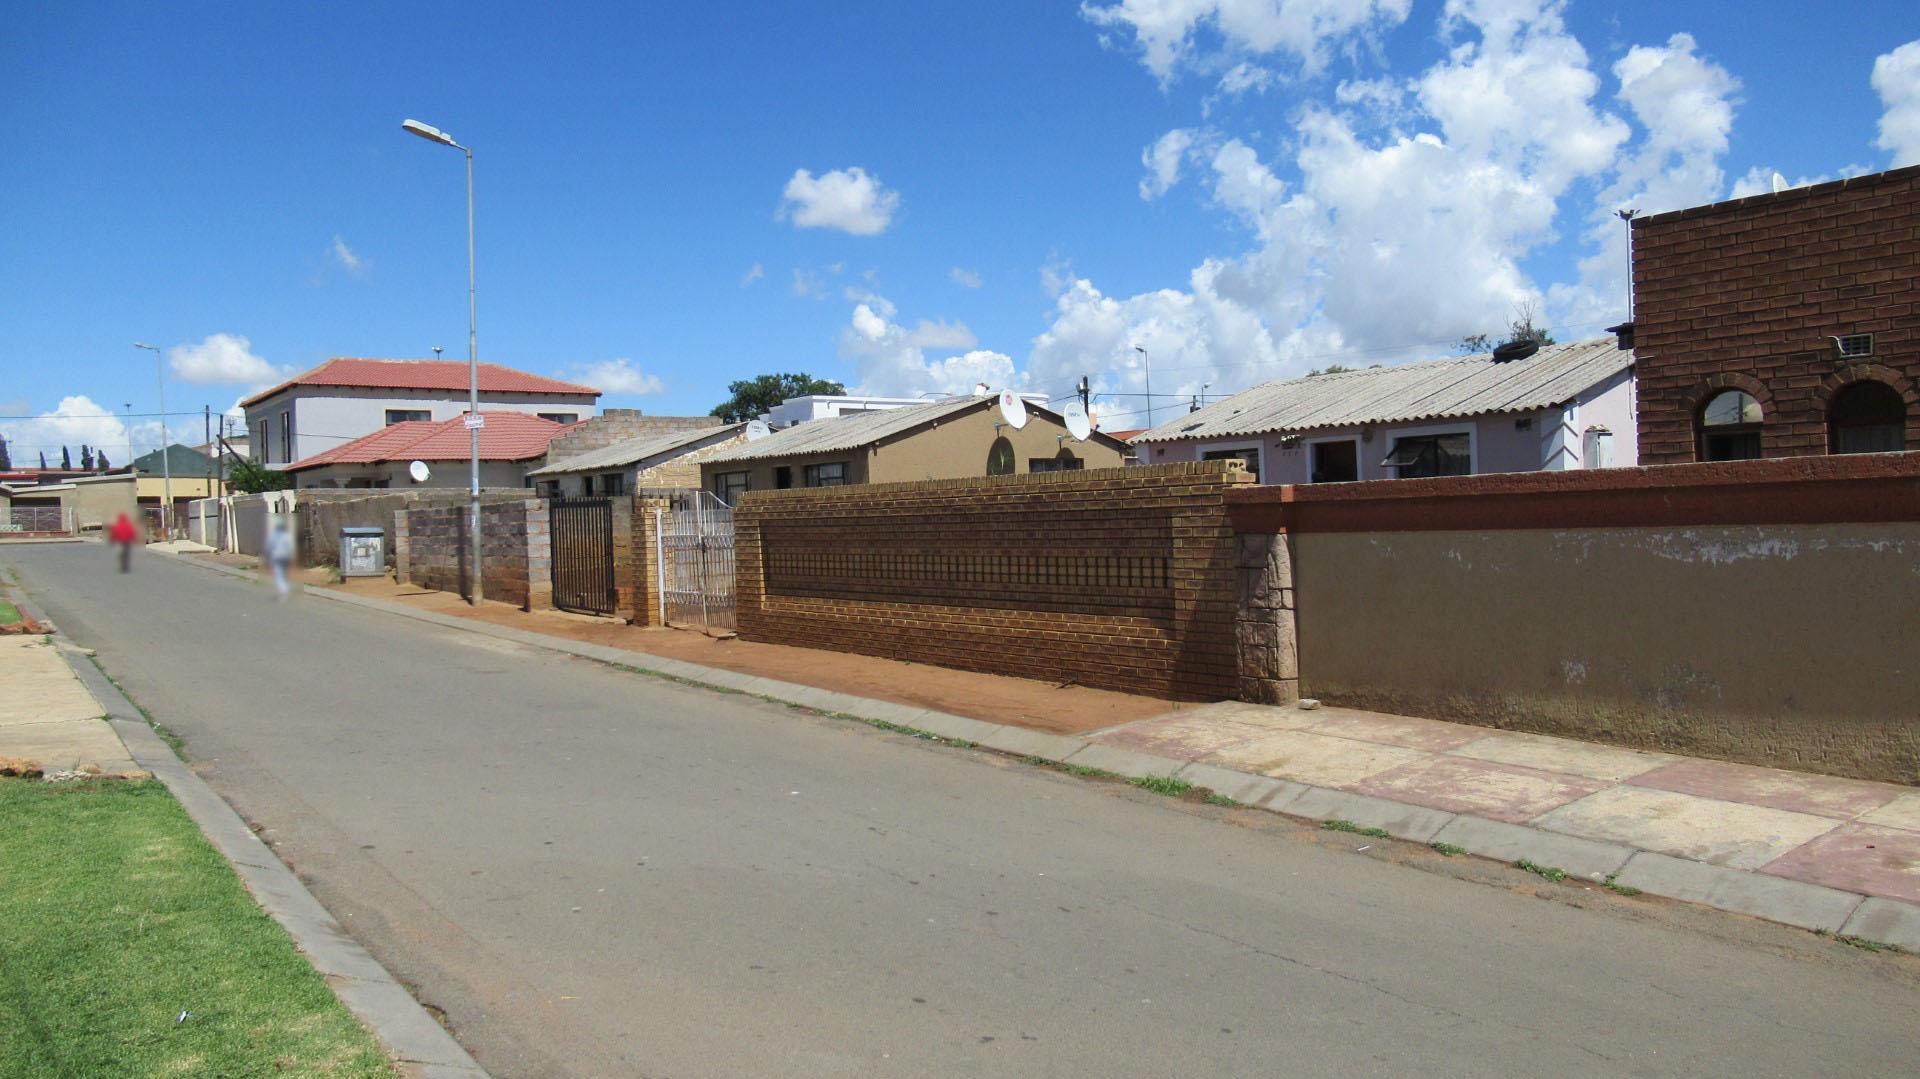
(1148, 365)
(434, 134)
(129, 407)
(166, 463)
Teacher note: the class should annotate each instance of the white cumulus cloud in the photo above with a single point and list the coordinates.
(1219, 35)
(221, 359)
(1896, 78)
(344, 257)
(849, 200)
(618, 376)
(78, 420)
(754, 273)
(890, 360)
(965, 278)
(1162, 161)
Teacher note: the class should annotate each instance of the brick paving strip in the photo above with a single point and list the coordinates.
(61, 681)
(1818, 852)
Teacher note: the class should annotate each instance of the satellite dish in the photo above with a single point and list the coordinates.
(757, 429)
(980, 389)
(1013, 409)
(1779, 183)
(1079, 425)
(418, 470)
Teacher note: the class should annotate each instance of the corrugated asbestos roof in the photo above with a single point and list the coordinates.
(848, 432)
(1437, 389)
(634, 450)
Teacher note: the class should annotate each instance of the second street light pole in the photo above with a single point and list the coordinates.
(166, 462)
(474, 420)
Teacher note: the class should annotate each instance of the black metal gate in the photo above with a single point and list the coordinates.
(582, 531)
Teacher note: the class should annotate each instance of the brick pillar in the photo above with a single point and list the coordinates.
(645, 562)
(626, 592)
(402, 547)
(539, 540)
(1264, 619)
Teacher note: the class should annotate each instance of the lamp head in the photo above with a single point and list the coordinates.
(429, 132)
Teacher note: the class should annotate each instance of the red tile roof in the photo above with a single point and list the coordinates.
(508, 436)
(421, 375)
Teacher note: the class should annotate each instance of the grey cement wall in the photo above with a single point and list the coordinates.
(1788, 645)
(322, 514)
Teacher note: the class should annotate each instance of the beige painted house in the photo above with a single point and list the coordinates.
(661, 460)
(85, 503)
(956, 438)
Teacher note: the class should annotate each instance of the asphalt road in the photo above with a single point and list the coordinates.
(598, 873)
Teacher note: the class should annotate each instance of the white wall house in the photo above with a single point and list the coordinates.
(344, 399)
(826, 407)
(1563, 407)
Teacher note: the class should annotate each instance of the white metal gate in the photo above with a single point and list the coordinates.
(696, 561)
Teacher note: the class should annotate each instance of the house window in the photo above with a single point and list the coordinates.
(833, 474)
(729, 486)
(1334, 462)
(782, 478)
(1249, 457)
(613, 483)
(557, 417)
(286, 436)
(1867, 417)
(1730, 427)
(262, 441)
(1416, 456)
(1000, 460)
(407, 415)
(1064, 462)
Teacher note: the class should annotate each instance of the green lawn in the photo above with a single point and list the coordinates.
(9, 614)
(116, 915)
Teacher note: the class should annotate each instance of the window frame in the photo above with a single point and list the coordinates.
(1703, 430)
(613, 484)
(1834, 427)
(722, 485)
(1228, 451)
(1313, 445)
(286, 435)
(568, 418)
(1471, 430)
(408, 415)
(810, 474)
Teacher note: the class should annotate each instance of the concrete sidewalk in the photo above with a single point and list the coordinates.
(1832, 855)
(48, 720)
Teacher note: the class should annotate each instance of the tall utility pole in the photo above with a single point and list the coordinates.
(166, 462)
(474, 420)
(1148, 364)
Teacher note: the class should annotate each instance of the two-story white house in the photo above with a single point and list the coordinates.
(348, 398)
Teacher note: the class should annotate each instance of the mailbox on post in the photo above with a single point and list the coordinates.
(363, 552)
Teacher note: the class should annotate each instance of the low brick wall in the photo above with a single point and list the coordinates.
(1757, 611)
(323, 513)
(516, 551)
(1115, 578)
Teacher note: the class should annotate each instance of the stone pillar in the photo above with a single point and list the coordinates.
(539, 541)
(402, 548)
(1264, 619)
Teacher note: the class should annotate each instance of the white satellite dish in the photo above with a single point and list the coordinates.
(980, 389)
(1013, 409)
(1779, 183)
(418, 470)
(1079, 424)
(757, 429)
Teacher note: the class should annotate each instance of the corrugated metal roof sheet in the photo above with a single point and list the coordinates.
(849, 432)
(1437, 389)
(634, 450)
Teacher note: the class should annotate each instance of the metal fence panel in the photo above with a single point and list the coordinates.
(697, 546)
(582, 531)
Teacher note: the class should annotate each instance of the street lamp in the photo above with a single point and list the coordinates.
(1148, 364)
(474, 421)
(166, 464)
(129, 407)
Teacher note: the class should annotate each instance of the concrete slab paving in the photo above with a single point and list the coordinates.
(81, 745)
(1316, 759)
(1511, 842)
(1503, 792)
(1551, 754)
(1432, 735)
(1704, 829)
(1798, 792)
(1860, 858)
(1792, 902)
(1274, 717)
(1887, 921)
(39, 687)
(1902, 812)
(1183, 736)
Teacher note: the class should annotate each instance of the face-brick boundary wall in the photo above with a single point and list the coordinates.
(1745, 295)
(516, 551)
(1113, 578)
(1764, 611)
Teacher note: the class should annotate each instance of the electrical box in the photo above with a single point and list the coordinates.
(363, 552)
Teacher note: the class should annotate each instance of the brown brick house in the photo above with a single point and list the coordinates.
(1781, 325)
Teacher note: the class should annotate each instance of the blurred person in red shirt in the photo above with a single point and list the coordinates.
(122, 535)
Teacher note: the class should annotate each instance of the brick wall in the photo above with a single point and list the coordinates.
(1744, 294)
(431, 550)
(643, 565)
(322, 514)
(1115, 578)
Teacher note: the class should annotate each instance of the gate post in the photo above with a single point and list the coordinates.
(539, 540)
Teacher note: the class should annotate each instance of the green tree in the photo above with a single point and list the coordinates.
(86, 457)
(100, 461)
(250, 477)
(756, 396)
(1330, 369)
(66, 458)
(6, 459)
(43, 460)
(1521, 327)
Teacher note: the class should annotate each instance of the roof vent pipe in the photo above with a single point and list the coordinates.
(1516, 350)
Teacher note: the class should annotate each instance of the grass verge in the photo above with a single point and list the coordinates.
(1349, 826)
(9, 614)
(1549, 872)
(116, 917)
(1171, 786)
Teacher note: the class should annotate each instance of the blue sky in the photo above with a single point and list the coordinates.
(907, 197)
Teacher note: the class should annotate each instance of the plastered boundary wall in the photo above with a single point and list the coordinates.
(1116, 578)
(1759, 611)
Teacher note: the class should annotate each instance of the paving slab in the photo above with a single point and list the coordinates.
(79, 745)
(39, 685)
(1315, 759)
(1511, 842)
(1503, 792)
(1902, 812)
(1271, 716)
(1124, 761)
(1888, 921)
(1798, 792)
(1550, 754)
(1243, 787)
(1793, 902)
(1183, 736)
(1705, 829)
(1859, 858)
(1403, 821)
(1432, 735)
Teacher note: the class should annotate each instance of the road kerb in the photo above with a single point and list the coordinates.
(1777, 899)
(1503, 842)
(1122, 761)
(1888, 921)
(1396, 818)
